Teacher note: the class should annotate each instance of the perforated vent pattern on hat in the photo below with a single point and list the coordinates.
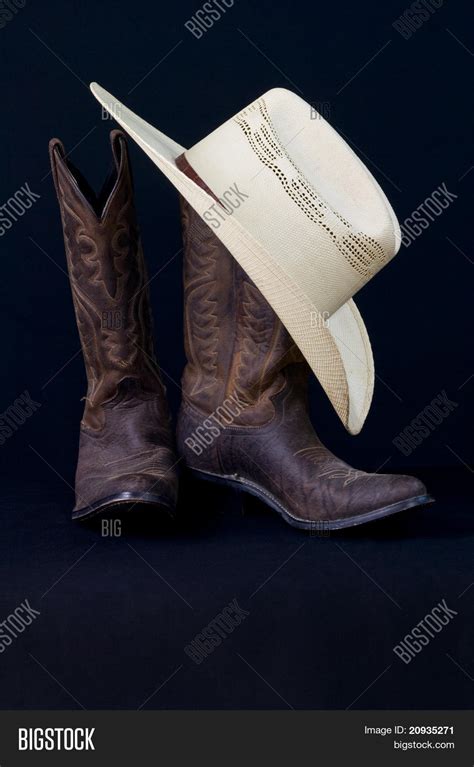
(363, 253)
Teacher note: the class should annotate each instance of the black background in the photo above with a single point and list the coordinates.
(327, 612)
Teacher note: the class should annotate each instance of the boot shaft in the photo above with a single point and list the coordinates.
(237, 349)
(108, 280)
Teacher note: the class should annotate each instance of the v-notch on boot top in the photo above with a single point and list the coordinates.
(126, 449)
(244, 417)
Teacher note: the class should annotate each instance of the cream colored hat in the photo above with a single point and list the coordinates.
(311, 228)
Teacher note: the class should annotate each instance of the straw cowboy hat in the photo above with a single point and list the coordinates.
(311, 228)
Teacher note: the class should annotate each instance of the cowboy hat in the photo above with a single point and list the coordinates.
(311, 228)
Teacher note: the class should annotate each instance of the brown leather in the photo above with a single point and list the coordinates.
(126, 450)
(239, 352)
(184, 166)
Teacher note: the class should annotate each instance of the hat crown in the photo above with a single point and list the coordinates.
(309, 196)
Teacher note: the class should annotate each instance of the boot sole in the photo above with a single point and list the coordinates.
(252, 488)
(104, 505)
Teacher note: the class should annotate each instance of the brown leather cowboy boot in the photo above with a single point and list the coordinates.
(126, 450)
(244, 418)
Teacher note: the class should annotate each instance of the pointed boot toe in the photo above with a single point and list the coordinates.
(405, 491)
(130, 487)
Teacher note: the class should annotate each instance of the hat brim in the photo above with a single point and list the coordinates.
(337, 349)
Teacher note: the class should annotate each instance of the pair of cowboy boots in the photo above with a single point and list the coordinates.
(244, 417)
